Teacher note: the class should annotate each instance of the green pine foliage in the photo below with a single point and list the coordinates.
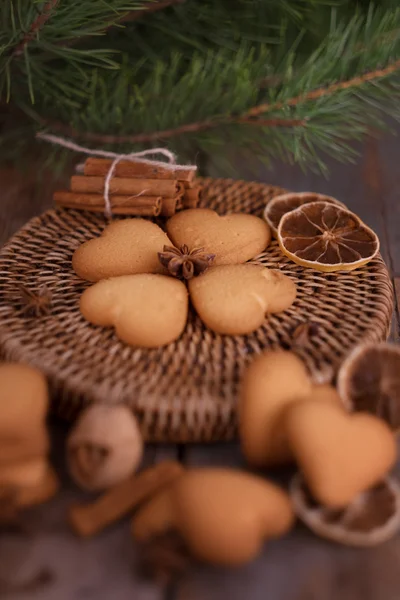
(295, 79)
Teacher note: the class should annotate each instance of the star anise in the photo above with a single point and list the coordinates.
(185, 263)
(35, 304)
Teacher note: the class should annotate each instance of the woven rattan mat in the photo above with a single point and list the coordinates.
(186, 391)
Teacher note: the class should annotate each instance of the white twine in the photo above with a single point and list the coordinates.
(132, 156)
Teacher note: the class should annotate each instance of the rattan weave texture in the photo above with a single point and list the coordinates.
(187, 391)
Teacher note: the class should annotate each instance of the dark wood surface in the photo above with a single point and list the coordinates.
(298, 567)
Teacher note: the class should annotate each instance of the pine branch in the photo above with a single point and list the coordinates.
(143, 138)
(276, 78)
(35, 27)
(138, 14)
(130, 16)
(327, 91)
(248, 117)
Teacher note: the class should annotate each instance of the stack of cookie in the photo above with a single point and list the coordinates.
(26, 477)
(137, 188)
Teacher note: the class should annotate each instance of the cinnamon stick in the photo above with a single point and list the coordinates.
(124, 186)
(191, 197)
(169, 206)
(120, 205)
(98, 199)
(127, 168)
(189, 184)
(136, 211)
(88, 519)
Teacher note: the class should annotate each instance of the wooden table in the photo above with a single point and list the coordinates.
(298, 567)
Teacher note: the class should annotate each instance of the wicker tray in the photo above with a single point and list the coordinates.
(186, 391)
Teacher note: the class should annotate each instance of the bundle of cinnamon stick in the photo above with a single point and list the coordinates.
(137, 189)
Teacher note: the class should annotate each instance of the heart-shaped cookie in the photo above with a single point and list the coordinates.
(271, 383)
(146, 310)
(125, 247)
(340, 454)
(23, 408)
(234, 299)
(24, 467)
(233, 239)
(223, 515)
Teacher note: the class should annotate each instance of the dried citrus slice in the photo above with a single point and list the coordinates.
(371, 519)
(280, 205)
(326, 237)
(369, 381)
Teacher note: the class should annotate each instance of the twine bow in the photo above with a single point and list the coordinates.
(132, 156)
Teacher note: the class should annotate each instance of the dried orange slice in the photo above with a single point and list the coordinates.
(326, 237)
(371, 519)
(369, 381)
(280, 205)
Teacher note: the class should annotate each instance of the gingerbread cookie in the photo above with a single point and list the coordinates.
(233, 239)
(23, 407)
(324, 392)
(223, 515)
(146, 310)
(234, 299)
(24, 444)
(125, 247)
(340, 454)
(272, 382)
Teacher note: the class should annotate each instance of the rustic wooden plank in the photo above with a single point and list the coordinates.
(24, 195)
(389, 152)
(302, 567)
(374, 189)
(221, 455)
(299, 567)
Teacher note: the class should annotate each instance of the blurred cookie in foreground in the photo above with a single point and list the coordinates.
(24, 443)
